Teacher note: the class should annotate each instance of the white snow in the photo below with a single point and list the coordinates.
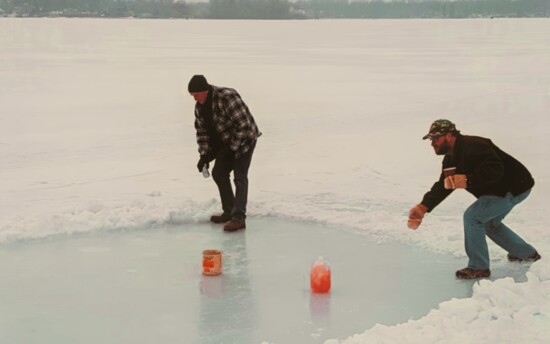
(96, 134)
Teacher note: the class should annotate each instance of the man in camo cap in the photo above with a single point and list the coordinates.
(496, 179)
(440, 128)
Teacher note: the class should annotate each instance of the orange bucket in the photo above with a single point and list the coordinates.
(211, 262)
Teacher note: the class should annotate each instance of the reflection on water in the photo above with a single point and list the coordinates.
(227, 305)
(319, 307)
(213, 287)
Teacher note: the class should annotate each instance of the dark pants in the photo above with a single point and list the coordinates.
(225, 163)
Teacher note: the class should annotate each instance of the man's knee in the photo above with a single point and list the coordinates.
(494, 226)
(219, 175)
(471, 216)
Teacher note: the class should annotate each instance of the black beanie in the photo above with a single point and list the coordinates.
(197, 83)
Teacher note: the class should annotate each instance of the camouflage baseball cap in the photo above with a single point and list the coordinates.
(440, 128)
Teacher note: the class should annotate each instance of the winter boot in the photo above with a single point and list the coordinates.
(532, 258)
(468, 273)
(220, 218)
(234, 225)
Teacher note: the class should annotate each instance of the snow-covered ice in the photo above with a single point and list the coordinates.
(96, 137)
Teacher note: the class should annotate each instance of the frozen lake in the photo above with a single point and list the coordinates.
(147, 286)
(103, 214)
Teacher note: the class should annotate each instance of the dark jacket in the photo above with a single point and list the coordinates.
(489, 171)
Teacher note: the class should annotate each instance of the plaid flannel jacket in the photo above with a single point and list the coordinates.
(232, 120)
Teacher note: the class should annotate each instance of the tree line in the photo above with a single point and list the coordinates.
(276, 9)
(426, 8)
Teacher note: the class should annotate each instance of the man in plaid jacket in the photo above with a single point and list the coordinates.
(227, 133)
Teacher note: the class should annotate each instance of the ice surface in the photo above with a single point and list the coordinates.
(146, 286)
(96, 136)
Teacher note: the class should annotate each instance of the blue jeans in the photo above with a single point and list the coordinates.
(233, 204)
(484, 217)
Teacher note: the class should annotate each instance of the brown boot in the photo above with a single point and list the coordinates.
(220, 218)
(468, 273)
(532, 258)
(234, 225)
